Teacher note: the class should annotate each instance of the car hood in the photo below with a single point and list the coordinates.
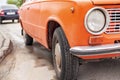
(102, 2)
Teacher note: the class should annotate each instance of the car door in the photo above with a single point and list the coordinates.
(34, 16)
(39, 20)
(24, 12)
(28, 17)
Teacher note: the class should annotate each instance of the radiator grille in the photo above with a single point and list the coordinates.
(114, 25)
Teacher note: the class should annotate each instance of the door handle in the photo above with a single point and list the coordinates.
(28, 8)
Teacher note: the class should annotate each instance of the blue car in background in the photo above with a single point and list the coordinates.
(8, 12)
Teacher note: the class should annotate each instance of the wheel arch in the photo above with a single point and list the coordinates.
(52, 25)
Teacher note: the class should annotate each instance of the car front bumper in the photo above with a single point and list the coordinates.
(94, 52)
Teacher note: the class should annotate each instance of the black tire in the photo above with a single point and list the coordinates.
(0, 20)
(13, 20)
(28, 39)
(69, 63)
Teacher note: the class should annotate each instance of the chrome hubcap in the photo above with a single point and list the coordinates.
(58, 57)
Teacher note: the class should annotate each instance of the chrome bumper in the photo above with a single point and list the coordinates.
(95, 50)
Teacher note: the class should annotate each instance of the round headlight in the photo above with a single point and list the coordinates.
(96, 20)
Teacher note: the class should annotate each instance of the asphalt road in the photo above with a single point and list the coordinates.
(35, 62)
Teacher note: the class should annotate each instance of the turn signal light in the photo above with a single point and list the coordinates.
(1, 12)
(95, 40)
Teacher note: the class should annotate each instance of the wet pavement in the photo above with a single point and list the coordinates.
(35, 62)
(25, 62)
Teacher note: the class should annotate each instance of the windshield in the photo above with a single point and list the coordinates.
(9, 7)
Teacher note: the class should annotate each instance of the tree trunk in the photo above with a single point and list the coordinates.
(24, 1)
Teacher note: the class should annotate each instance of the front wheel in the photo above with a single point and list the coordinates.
(66, 65)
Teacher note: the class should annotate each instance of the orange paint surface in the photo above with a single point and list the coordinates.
(36, 14)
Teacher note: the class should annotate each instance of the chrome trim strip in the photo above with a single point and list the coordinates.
(95, 50)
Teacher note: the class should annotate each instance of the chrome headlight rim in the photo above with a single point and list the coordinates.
(107, 20)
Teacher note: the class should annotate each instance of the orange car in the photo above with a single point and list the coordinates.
(74, 30)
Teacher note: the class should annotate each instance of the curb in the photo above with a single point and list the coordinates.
(6, 48)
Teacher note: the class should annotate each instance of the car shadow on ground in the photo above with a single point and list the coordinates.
(43, 54)
(98, 69)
